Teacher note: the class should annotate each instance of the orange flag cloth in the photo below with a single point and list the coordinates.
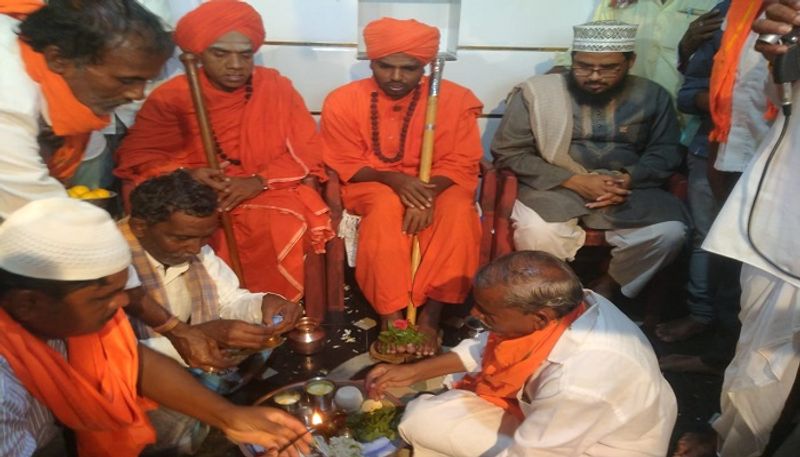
(389, 36)
(92, 393)
(202, 26)
(507, 364)
(70, 118)
(740, 18)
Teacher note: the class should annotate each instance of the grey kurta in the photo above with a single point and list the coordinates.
(637, 133)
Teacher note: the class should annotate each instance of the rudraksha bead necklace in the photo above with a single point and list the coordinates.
(248, 93)
(376, 134)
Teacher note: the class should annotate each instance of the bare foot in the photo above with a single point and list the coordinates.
(385, 348)
(679, 329)
(428, 325)
(693, 444)
(432, 343)
(679, 363)
(605, 285)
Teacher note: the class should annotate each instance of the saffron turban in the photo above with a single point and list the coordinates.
(389, 36)
(203, 26)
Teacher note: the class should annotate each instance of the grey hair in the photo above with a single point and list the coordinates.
(532, 280)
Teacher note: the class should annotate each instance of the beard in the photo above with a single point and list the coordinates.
(583, 97)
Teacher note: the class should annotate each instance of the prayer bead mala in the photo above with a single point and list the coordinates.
(376, 136)
(248, 92)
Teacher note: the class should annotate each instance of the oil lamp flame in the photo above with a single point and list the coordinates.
(316, 419)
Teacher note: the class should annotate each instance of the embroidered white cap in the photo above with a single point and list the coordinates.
(62, 239)
(604, 36)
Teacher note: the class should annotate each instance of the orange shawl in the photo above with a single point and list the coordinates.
(507, 364)
(93, 393)
(740, 18)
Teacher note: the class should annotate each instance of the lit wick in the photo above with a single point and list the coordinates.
(316, 423)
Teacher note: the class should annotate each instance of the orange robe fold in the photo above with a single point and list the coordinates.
(94, 392)
(273, 135)
(450, 245)
(508, 363)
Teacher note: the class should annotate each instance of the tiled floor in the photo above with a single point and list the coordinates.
(698, 395)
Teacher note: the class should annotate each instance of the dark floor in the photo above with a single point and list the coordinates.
(698, 395)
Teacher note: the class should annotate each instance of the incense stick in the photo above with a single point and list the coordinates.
(296, 439)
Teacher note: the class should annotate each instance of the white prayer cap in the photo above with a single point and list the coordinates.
(604, 36)
(62, 239)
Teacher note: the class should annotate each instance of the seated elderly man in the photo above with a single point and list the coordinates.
(265, 139)
(595, 147)
(561, 371)
(68, 356)
(172, 218)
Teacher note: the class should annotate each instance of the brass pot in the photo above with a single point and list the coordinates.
(307, 337)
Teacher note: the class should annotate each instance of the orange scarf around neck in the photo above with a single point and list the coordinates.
(507, 364)
(92, 393)
(70, 118)
(740, 18)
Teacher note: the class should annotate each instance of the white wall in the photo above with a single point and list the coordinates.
(501, 42)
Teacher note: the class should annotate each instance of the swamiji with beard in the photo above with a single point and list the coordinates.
(266, 142)
(372, 129)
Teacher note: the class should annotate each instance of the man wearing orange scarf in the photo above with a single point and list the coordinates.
(265, 139)
(68, 353)
(372, 129)
(561, 371)
(65, 69)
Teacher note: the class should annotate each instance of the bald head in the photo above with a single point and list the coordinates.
(531, 280)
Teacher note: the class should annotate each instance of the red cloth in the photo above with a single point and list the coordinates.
(19, 8)
(450, 245)
(389, 36)
(507, 364)
(94, 392)
(274, 136)
(740, 18)
(202, 26)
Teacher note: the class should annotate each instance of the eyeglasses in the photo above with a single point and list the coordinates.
(604, 72)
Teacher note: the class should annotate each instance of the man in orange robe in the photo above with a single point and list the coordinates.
(266, 141)
(372, 129)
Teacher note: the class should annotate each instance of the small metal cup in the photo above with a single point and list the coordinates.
(290, 401)
(321, 393)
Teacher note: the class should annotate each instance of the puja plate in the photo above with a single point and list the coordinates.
(250, 450)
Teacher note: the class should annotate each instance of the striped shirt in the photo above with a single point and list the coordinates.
(25, 423)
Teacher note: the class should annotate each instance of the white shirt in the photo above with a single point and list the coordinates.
(599, 393)
(25, 176)
(748, 126)
(234, 302)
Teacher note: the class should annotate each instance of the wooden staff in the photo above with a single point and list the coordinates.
(190, 63)
(425, 164)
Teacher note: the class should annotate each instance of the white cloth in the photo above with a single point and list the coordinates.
(637, 254)
(25, 423)
(760, 377)
(234, 302)
(62, 239)
(24, 176)
(748, 126)
(754, 389)
(599, 393)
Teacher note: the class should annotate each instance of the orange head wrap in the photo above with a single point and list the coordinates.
(202, 26)
(389, 36)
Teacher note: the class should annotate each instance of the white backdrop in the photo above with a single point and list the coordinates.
(313, 42)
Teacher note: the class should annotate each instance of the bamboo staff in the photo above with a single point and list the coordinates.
(425, 164)
(189, 61)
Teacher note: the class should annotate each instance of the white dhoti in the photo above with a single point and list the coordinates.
(637, 253)
(758, 380)
(456, 423)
